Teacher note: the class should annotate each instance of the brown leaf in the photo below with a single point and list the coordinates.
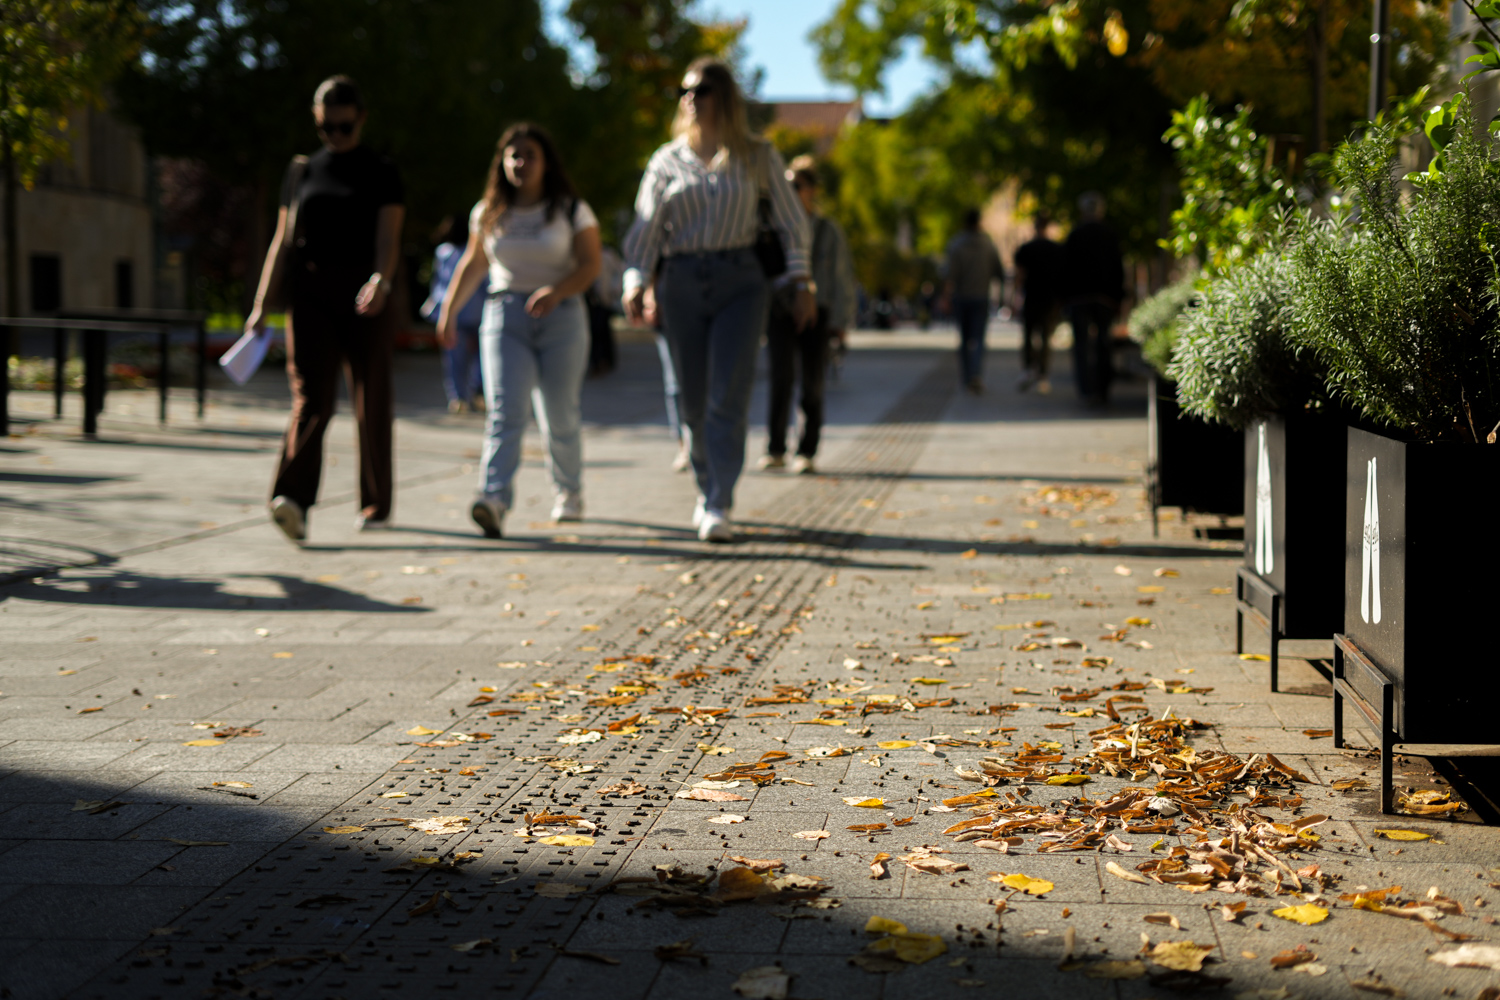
(757, 864)
(1292, 958)
(433, 902)
(741, 883)
(678, 949)
(878, 867)
(1163, 918)
(623, 788)
(710, 795)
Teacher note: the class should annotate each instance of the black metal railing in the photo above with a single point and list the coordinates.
(95, 329)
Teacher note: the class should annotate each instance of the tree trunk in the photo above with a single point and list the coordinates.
(1318, 44)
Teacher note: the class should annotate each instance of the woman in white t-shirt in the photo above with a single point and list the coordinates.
(542, 244)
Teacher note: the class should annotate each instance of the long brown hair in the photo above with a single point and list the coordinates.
(500, 193)
(734, 120)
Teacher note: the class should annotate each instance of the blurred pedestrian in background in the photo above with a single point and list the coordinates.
(332, 262)
(711, 205)
(971, 264)
(461, 376)
(541, 242)
(1038, 287)
(1094, 276)
(603, 300)
(792, 347)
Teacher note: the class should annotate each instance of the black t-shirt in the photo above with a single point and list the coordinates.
(1042, 260)
(342, 194)
(1094, 267)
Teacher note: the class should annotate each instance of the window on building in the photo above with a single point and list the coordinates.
(46, 282)
(124, 284)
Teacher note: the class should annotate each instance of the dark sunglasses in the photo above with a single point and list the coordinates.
(337, 128)
(702, 90)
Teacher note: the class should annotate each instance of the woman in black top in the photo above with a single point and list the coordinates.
(333, 260)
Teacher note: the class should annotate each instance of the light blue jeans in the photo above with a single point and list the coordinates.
(713, 308)
(529, 362)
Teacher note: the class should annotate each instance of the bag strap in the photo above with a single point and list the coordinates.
(296, 173)
(763, 172)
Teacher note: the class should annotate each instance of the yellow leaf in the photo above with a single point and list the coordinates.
(884, 925)
(1165, 572)
(568, 840)
(914, 949)
(1254, 656)
(393, 795)
(1138, 622)
(1403, 835)
(422, 731)
(895, 744)
(926, 604)
(343, 829)
(944, 640)
(821, 722)
(928, 680)
(282, 656)
(970, 554)
(1150, 589)
(1027, 884)
(1069, 779)
(1221, 590)
(204, 743)
(714, 751)
(855, 800)
(1305, 914)
(1183, 956)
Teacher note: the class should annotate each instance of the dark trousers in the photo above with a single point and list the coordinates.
(324, 334)
(1036, 337)
(789, 350)
(973, 316)
(1093, 361)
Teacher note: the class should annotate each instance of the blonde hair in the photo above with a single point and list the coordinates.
(734, 120)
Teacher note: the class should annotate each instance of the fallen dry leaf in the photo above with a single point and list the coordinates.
(1163, 918)
(1292, 958)
(757, 864)
(812, 835)
(204, 743)
(764, 982)
(1182, 956)
(710, 795)
(568, 840)
(1403, 835)
(1114, 868)
(422, 731)
(1307, 913)
(1469, 956)
(343, 829)
(440, 825)
(1025, 883)
(727, 819)
(855, 800)
(96, 806)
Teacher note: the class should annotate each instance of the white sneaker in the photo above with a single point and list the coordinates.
(802, 465)
(684, 459)
(489, 514)
(715, 527)
(772, 462)
(364, 523)
(288, 515)
(699, 510)
(568, 506)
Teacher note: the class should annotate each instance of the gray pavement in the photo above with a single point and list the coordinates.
(229, 767)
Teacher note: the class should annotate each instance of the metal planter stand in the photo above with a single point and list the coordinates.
(1190, 463)
(1291, 584)
(1415, 513)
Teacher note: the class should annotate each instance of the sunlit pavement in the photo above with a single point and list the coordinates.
(377, 765)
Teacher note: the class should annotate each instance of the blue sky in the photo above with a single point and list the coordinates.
(776, 41)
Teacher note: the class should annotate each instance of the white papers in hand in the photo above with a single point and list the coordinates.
(242, 360)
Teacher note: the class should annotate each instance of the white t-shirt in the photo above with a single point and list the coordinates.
(527, 251)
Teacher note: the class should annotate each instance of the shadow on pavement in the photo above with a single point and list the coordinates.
(129, 589)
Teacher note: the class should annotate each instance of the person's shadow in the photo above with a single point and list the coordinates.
(123, 588)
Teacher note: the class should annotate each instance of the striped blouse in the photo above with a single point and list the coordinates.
(687, 206)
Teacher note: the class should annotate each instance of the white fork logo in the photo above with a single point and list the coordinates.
(1369, 576)
(1265, 553)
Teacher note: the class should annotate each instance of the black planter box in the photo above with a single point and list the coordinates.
(1415, 656)
(1292, 582)
(1191, 463)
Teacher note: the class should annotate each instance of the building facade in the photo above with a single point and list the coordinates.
(85, 228)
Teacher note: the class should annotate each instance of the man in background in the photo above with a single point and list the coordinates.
(1039, 276)
(972, 263)
(1095, 277)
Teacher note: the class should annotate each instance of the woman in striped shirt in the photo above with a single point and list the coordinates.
(696, 224)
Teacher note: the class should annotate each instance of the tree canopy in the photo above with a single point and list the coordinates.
(1066, 96)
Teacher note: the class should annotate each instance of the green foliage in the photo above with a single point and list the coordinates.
(1232, 196)
(1402, 303)
(1238, 356)
(1154, 323)
(56, 55)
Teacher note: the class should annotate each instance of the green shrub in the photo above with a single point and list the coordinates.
(1153, 323)
(1238, 356)
(1400, 301)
